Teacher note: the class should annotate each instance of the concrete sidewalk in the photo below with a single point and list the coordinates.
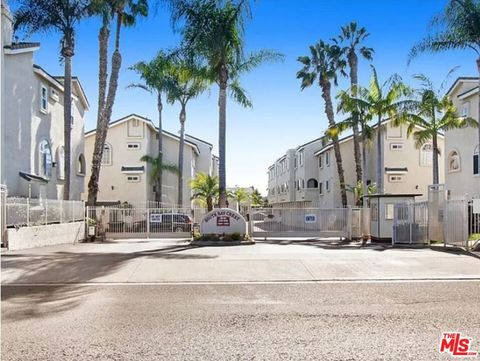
(164, 261)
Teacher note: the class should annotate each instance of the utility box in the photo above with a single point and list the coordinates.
(382, 214)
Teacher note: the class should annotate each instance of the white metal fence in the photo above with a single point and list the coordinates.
(3, 213)
(27, 212)
(132, 222)
(410, 223)
(308, 222)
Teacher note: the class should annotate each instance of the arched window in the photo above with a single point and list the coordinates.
(61, 162)
(107, 154)
(476, 160)
(312, 183)
(454, 164)
(81, 167)
(45, 159)
(426, 155)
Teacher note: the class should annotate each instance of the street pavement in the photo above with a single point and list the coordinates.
(276, 300)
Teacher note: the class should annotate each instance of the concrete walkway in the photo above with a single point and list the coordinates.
(165, 261)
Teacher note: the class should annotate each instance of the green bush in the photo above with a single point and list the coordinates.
(235, 236)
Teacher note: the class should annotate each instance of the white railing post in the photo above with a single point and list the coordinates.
(46, 211)
(465, 221)
(148, 222)
(28, 212)
(349, 222)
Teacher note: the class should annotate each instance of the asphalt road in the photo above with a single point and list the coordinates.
(276, 321)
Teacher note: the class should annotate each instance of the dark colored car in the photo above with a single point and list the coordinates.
(166, 222)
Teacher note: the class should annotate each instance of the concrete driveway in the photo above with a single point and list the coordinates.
(173, 261)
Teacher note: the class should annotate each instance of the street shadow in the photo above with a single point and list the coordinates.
(329, 244)
(55, 282)
(455, 251)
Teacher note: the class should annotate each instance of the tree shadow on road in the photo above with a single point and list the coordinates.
(52, 282)
(329, 244)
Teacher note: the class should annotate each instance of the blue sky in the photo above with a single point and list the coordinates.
(283, 117)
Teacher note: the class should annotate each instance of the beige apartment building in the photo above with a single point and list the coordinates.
(462, 163)
(406, 169)
(32, 147)
(125, 178)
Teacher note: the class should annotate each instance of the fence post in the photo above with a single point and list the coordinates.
(46, 211)
(465, 221)
(28, 212)
(349, 222)
(148, 222)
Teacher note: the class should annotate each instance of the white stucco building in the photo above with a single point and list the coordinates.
(32, 148)
(462, 163)
(406, 169)
(125, 178)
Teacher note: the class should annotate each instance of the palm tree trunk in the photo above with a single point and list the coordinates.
(222, 108)
(478, 68)
(209, 204)
(183, 117)
(158, 188)
(67, 121)
(435, 158)
(103, 38)
(353, 64)
(364, 166)
(326, 86)
(379, 173)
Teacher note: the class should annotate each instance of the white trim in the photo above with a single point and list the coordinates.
(8, 51)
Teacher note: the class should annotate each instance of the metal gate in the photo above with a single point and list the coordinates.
(455, 228)
(410, 223)
(306, 222)
(3, 214)
(130, 222)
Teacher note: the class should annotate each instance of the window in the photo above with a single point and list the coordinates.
(327, 159)
(45, 159)
(312, 183)
(389, 207)
(300, 158)
(133, 178)
(395, 178)
(476, 161)
(81, 166)
(454, 163)
(61, 162)
(107, 154)
(131, 146)
(43, 98)
(327, 186)
(135, 122)
(295, 162)
(320, 165)
(426, 155)
(303, 183)
(396, 146)
(465, 110)
(320, 187)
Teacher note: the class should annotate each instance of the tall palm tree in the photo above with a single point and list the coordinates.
(351, 39)
(187, 81)
(257, 198)
(205, 188)
(430, 115)
(380, 100)
(457, 28)
(63, 17)
(156, 80)
(324, 65)
(214, 30)
(240, 196)
(158, 166)
(347, 104)
(124, 13)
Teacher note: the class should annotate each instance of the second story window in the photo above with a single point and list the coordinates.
(327, 159)
(426, 155)
(132, 146)
(107, 154)
(320, 164)
(300, 159)
(476, 161)
(465, 110)
(45, 159)
(43, 98)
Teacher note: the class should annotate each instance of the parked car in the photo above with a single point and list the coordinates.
(165, 222)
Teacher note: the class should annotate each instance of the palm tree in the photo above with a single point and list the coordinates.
(457, 28)
(214, 30)
(358, 191)
(347, 104)
(324, 64)
(157, 167)
(125, 13)
(155, 77)
(205, 188)
(257, 199)
(63, 17)
(240, 196)
(187, 81)
(430, 115)
(378, 101)
(352, 37)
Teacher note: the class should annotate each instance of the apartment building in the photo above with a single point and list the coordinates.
(405, 169)
(32, 145)
(125, 178)
(462, 163)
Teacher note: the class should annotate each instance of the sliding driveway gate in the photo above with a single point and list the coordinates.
(121, 222)
(308, 222)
